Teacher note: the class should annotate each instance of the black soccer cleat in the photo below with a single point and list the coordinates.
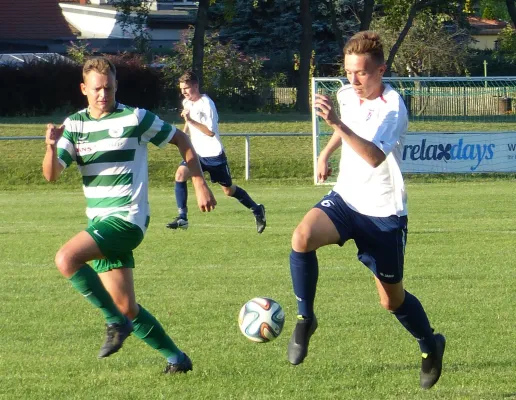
(298, 344)
(432, 364)
(178, 223)
(179, 368)
(261, 222)
(115, 336)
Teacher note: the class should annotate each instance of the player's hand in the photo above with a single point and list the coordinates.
(325, 109)
(323, 170)
(205, 199)
(53, 134)
(186, 115)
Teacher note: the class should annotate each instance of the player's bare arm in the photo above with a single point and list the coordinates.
(189, 121)
(51, 166)
(323, 170)
(367, 150)
(205, 199)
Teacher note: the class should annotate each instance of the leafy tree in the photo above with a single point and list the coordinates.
(511, 10)
(493, 9)
(305, 54)
(366, 17)
(403, 13)
(228, 70)
(429, 48)
(198, 39)
(132, 18)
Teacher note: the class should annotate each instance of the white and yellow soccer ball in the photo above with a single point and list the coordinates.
(261, 319)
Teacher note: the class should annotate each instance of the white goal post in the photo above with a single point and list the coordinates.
(442, 99)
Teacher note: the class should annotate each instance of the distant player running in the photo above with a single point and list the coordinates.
(368, 203)
(108, 141)
(201, 122)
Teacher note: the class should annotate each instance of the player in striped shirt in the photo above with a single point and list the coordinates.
(108, 141)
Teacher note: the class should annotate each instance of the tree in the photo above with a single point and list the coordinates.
(132, 18)
(428, 48)
(511, 9)
(366, 16)
(403, 12)
(198, 39)
(305, 56)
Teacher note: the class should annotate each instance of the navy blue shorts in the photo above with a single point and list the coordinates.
(380, 240)
(219, 173)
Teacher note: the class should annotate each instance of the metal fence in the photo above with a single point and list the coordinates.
(247, 137)
(448, 98)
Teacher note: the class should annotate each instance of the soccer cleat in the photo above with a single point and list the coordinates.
(179, 368)
(261, 223)
(178, 223)
(432, 364)
(298, 344)
(115, 336)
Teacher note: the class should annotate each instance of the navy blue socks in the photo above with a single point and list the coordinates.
(181, 198)
(304, 269)
(413, 317)
(244, 198)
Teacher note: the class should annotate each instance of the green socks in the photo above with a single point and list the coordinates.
(147, 328)
(87, 282)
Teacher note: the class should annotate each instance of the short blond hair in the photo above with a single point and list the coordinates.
(366, 42)
(100, 65)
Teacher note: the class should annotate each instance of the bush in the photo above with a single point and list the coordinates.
(41, 87)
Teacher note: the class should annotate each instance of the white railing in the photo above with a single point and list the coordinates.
(247, 137)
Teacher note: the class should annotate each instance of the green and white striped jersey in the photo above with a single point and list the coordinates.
(111, 154)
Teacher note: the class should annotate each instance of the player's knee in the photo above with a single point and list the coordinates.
(181, 175)
(301, 239)
(228, 191)
(64, 263)
(390, 304)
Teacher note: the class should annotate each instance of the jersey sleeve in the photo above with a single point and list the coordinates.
(66, 153)
(392, 126)
(152, 129)
(208, 115)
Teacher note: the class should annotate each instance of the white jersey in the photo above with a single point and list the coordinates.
(204, 112)
(380, 191)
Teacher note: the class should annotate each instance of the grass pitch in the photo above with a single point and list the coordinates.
(459, 262)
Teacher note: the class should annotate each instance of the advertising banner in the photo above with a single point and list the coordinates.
(461, 152)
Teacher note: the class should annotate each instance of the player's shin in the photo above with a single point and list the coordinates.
(413, 317)
(181, 192)
(87, 282)
(243, 197)
(147, 328)
(304, 270)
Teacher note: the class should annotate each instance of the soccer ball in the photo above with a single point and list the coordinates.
(261, 319)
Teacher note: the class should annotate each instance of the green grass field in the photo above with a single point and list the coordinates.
(459, 262)
(272, 158)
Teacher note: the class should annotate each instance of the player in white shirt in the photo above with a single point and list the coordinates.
(367, 204)
(201, 122)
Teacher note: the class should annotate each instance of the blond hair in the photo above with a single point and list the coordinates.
(366, 42)
(100, 65)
